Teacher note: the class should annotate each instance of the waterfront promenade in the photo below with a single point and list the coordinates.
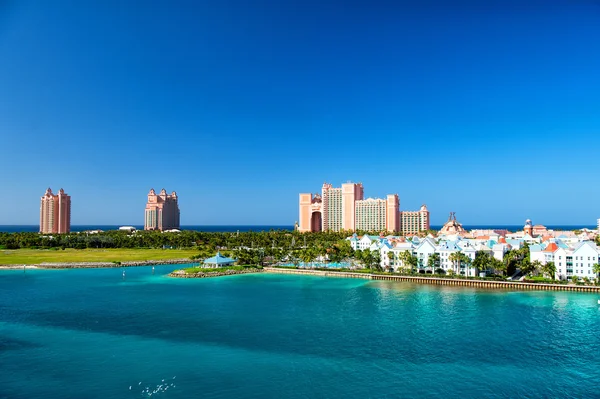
(505, 285)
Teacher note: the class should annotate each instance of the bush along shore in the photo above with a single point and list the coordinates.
(84, 265)
(200, 272)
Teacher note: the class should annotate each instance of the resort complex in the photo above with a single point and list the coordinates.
(162, 211)
(563, 254)
(345, 209)
(55, 212)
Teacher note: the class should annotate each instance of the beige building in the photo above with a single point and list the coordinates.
(371, 214)
(162, 211)
(452, 227)
(413, 222)
(55, 212)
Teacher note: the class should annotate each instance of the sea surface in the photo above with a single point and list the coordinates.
(243, 228)
(94, 334)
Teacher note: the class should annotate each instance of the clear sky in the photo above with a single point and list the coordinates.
(487, 108)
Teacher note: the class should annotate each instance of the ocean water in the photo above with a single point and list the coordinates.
(243, 228)
(92, 334)
(207, 228)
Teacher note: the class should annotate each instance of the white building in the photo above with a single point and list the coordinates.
(576, 261)
(572, 256)
(423, 251)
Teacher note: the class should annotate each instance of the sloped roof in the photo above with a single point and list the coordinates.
(552, 247)
(535, 248)
(218, 259)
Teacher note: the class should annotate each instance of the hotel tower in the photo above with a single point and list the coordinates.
(55, 212)
(344, 208)
(162, 211)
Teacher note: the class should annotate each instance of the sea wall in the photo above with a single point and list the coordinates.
(504, 285)
(83, 265)
(183, 274)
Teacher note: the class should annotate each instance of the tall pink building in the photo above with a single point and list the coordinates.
(344, 208)
(55, 212)
(162, 211)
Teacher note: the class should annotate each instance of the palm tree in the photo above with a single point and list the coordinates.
(483, 261)
(374, 259)
(391, 257)
(596, 270)
(465, 260)
(549, 269)
(433, 261)
(498, 266)
(532, 267)
(455, 259)
(408, 260)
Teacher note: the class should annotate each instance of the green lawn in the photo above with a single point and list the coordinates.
(35, 256)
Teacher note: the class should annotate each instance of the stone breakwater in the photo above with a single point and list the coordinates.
(83, 265)
(505, 285)
(183, 274)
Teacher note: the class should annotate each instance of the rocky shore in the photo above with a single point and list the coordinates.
(183, 274)
(84, 265)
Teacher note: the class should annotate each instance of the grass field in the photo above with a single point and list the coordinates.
(36, 256)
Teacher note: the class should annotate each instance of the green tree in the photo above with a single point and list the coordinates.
(372, 259)
(433, 262)
(408, 260)
(467, 262)
(549, 270)
(455, 259)
(391, 257)
(498, 266)
(596, 270)
(574, 279)
(483, 261)
(529, 268)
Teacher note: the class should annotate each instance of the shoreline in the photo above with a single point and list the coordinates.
(495, 285)
(99, 265)
(183, 274)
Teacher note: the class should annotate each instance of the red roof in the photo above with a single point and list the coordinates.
(551, 247)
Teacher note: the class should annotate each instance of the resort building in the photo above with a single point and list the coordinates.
(345, 208)
(162, 211)
(572, 258)
(413, 222)
(55, 212)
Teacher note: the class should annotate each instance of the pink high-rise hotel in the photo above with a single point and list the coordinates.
(162, 211)
(344, 208)
(55, 212)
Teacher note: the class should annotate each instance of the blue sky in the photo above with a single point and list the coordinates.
(489, 109)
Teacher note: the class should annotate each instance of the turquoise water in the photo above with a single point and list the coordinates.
(89, 334)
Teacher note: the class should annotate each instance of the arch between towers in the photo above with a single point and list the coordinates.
(316, 221)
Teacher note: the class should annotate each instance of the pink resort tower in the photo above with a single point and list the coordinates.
(345, 209)
(55, 212)
(162, 211)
